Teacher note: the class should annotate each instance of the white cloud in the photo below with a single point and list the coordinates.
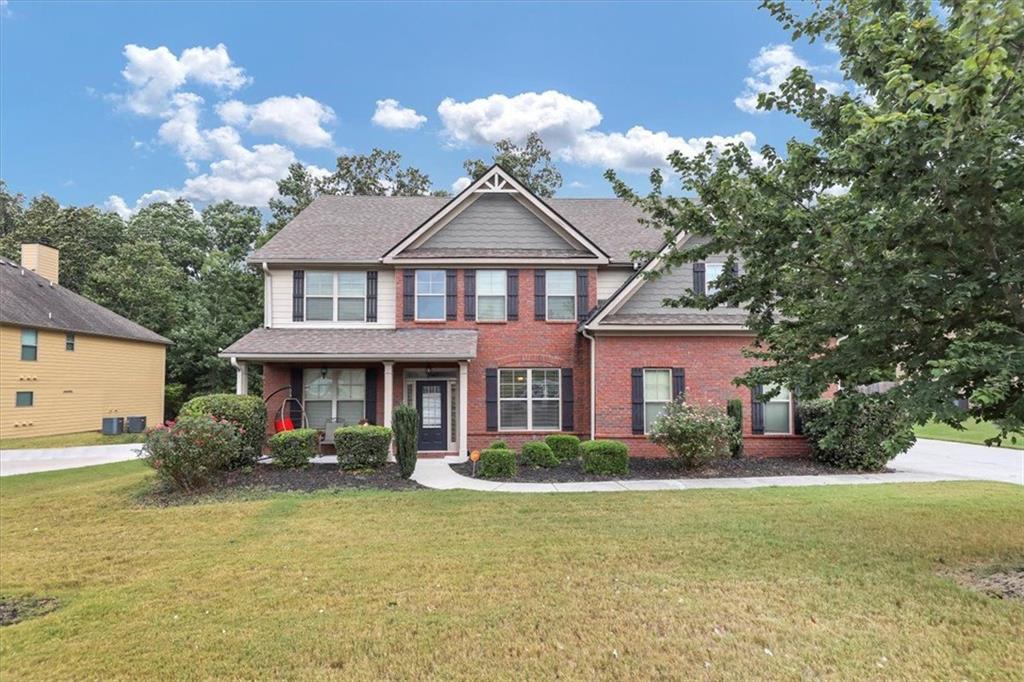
(233, 112)
(297, 119)
(770, 68)
(181, 129)
(641, 149)
(461, 184)
(154, 74)
(390, 114)
(118, 205)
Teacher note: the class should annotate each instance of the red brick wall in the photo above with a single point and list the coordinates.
(711, 363)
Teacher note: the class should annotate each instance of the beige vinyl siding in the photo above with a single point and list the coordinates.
(74, 390)
(609, 281)
(281, 303)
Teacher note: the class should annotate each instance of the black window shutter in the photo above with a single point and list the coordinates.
(408, 294)
(296, 407)
(539, 291)
(371, 395)
(756, 410)
(734, 270)
(698, 279)
(637, 374)
(798, 422)
(568, 400)
(298, 295)
(469, 302)
(512, 282)
(371, 296)
(451, 291)
(678, 383)
(491, 389)
(582, 294)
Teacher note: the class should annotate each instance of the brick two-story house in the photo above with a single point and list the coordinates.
(498, 315)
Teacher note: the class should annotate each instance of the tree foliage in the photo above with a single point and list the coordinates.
(530, 164)
(898, 229)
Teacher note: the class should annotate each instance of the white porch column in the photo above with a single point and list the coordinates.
(389, 392)
(463, 408)
(241, 377)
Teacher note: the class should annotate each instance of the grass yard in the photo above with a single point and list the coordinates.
(70, 440)
(974, 432)
(836, 582)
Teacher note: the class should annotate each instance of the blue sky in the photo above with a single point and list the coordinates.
(213, 100)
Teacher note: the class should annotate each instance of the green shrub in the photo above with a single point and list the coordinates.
(537, 453)
(497, 463)
(498, 445)
(856, 431)
(246, 412)
(565, 446)
(734, 408)
(406, 423)
(294, 449)
(693, 434)
(362, 446)
(608, 457)
(189, 452)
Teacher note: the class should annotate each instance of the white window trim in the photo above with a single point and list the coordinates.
(547, 299)
(710, 289)
(338, 297)
(504, 318)
(417, 295)
(655, 402)
(334, 398)
(529, 398)
(335, 297)
(791, 425)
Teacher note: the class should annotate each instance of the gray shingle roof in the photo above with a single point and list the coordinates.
(672, 317)
(496, 253)
(29, 300)
(382, 343)
(363, 229)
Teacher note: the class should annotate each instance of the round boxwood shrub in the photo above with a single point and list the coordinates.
(607, 457)
(246, 412)
(359, 447)
(565, 446)
(498, 445)
(187, 453)
(693, 434)
(856, 431)
(406, 424)
(497, 463)
(537, 453)
(294, 449)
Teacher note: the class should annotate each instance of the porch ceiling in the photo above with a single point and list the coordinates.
(354, 344)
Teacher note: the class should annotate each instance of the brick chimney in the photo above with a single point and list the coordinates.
(42, 260)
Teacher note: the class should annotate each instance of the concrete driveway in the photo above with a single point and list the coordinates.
(961, 460)
(30, 461)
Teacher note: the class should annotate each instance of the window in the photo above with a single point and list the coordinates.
(29, 344)
(319, 295)
(777, 412)
(430, 290)
(657, 395)
(529, 400)
(712, 271)
(69, 341)
(561, 294)
(336, 296)
(352, 296)
(334, 395)
(490, 295)
(23, 399)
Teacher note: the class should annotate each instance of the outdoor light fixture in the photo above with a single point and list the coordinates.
(323, 372)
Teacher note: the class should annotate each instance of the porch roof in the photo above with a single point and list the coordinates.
(296, 344)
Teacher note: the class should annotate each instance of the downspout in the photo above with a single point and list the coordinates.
(268, 297)
(593, 381)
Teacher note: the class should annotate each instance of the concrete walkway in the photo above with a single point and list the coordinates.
(50, 459)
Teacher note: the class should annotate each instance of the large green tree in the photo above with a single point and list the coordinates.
(530, 163)
(889, 246)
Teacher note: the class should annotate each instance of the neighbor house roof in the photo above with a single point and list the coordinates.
(421, 344)
(30, 300)
(362, 229)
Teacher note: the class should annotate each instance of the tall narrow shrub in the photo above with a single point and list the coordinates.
(406, 424)
(734, 408)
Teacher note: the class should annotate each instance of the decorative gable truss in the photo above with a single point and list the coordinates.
(496, 220)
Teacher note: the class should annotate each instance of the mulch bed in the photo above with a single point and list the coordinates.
(17, 609)
(264, 478)
(655, 468)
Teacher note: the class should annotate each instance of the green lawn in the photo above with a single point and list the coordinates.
(974, 432)
(837, 582)
(69, 440)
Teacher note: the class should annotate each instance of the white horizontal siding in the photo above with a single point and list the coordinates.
(609, 281)
(281, 303)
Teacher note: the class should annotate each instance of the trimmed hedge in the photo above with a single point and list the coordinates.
(406, 423)
(294, 449)
(858, 432)
(497, 463)
(537, 453)
(359, 447)
(246, 412)
(609, 457)
(734, 408)
(498, 445)
(565, 446)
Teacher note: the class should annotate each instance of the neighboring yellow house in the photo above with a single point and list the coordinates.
(66, 362)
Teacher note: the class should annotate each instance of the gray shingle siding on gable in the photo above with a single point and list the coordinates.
(496, 221)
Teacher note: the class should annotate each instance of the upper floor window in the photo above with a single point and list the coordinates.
(29, 344)
(712, 271)
(529, 400)
(336, 296)
(334, 395)
(778, 412)
(430, 295)
(657, 395)
(23, 399)
(491, 290)
(69, 341)
(561, 294)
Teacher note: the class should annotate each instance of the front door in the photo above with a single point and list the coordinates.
(432, 406)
